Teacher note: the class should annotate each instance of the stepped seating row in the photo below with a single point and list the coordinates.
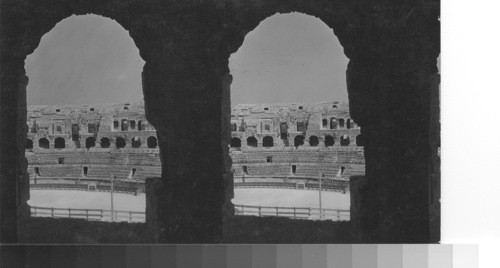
(348, 157)
(56, 171)
(82, 157)
(283, 156)
(280, 170)
(94, 171)
(352, 157)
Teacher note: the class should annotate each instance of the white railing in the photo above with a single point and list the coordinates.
(294, 212)
(89, 214)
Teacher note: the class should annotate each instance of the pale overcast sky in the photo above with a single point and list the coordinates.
(92, 59)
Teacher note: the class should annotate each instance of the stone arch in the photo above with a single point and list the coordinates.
(268, 141)
(152, 142)
(43, 143)
(345, 140)
(90, 142)
(120, 142)
(29, 144)
(298, 141)
(59, 143)
(341, 123)
(124, 124)
(105, 142)
(252, 141)
(329, 140)
(136, 142)
(313, 141)
(333, 123)
(235, 142)
(324, 123)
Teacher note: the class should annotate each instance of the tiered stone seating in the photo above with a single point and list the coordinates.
(89, 157)
(57, 171)
(120, 172)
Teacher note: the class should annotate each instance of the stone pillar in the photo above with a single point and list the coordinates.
(112, 143)
(392, 106)
(183, 101)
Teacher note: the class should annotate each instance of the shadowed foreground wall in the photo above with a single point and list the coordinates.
(391, 80)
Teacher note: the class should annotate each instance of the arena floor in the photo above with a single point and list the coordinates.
(247, 196)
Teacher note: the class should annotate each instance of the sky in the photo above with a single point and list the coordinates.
(92, 59)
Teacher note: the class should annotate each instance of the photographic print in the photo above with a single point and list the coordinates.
(219, 122)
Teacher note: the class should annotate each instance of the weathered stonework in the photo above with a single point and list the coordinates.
(391, 79)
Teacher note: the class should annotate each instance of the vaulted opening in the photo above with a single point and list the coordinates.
(344, 140)
(105, 142)
(289, 82)
(252, 142)
(90, 142)
(43, 143)
(136, 142)
(298, 141)
(59, 143)
(152, 142)
(82, 65)
(268, 141)
(329, 141)
(313, 141)
(120, 142)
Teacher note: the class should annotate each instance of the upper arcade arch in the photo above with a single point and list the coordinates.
(59, 143)
(268, 141)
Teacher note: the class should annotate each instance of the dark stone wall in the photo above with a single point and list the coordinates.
(392, 47)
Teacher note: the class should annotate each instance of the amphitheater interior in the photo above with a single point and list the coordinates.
(83, 147)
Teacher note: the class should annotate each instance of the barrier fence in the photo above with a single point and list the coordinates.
(294, 212)
(135, 216)
(89, 214)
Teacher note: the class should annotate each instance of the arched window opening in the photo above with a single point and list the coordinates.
(348, 123)
(132, 124)
(136, 142)
(344, 140)
(268, 141)
(329, 141)
(324, 123)
(124, 125)
(313, 141)
(235, 142)
(233, 127)
(152, 142)
(341, 122)
(105, 143)
(139, 126)
(359, 140)
(116, 125)
(59, 143)
(90, 142)
(298, 141)
(333, 123)
(120, 142)
(252, 142)
(29, 144)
